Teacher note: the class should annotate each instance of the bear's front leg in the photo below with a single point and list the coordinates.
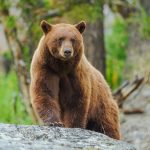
(47, 111)
(44, 95)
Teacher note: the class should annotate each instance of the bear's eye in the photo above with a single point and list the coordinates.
(73, 41)
(60, 40)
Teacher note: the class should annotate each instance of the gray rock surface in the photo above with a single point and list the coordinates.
(136, 128)
(21, 137)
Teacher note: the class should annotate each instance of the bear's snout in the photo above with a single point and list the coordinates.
(67, 52)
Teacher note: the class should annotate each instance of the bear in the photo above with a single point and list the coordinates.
(66, 90)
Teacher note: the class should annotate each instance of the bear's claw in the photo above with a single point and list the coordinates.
(56, 124)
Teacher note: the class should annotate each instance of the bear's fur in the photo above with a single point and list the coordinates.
(65, 88)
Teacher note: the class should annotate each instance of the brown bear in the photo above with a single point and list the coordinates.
(65, 88)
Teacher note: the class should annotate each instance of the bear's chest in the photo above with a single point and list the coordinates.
(70, 92)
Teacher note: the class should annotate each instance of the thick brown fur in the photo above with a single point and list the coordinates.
(70, 91)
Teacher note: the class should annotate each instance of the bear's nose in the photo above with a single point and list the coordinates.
(67, 51)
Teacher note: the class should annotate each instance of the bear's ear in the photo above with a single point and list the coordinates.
(46, 27)
(81, 26)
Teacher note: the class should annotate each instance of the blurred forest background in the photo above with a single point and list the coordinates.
(117, 42)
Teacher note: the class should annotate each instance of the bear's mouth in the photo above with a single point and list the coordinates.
(66, 58)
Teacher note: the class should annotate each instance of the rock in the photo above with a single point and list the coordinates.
(136, 130)
(32, 137)
(136, 127)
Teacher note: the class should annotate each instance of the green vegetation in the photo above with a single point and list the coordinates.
(116, 43)
(144, 24)
(91, 15)
(11, 108)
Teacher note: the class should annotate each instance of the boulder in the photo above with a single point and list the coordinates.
(34, 137)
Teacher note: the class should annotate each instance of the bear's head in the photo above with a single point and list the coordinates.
(64, 41)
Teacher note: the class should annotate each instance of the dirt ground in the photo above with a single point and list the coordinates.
(135, 128)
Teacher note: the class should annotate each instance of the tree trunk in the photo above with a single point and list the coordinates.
(21, 72)
(94, 44)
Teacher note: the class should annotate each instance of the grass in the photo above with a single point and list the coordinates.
(11, 108)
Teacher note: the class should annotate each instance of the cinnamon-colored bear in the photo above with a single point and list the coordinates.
(65, 88)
